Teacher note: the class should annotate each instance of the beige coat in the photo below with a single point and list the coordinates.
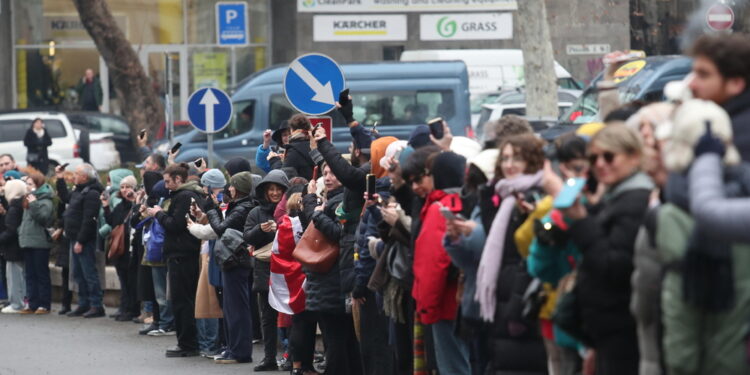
(206, 303)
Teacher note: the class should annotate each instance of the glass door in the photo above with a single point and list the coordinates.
(155, 60)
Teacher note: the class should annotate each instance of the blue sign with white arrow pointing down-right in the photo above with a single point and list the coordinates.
(312, 84)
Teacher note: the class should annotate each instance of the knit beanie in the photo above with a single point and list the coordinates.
(466, 147)
(420, 137)
(377, 152)
(486, 161)
(14, 189)
(14, 174)
(150, 179)
(237, 165)
(213, 179)
(129, 181)
(242, 182)
(448, 170)
(159, 190)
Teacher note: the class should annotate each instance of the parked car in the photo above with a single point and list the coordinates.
(512, 98)
(102, 123)
(639, 80)
(396, 95)
(68, 143)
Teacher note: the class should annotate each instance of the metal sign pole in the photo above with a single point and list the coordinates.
(168, 102)
(210, 138)
(234, 70)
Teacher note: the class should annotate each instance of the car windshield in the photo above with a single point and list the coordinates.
(477, 101)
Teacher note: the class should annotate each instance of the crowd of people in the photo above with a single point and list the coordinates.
(618, 248)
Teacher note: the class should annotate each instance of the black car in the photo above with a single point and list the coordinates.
(97, 122)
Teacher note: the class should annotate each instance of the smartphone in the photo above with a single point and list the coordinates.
(142, 133)
(187, 217)
(193, 203)
(176, 147)
(105, 194)
(374, 127)
(449, 215)
(344, 97)
(436, 127)
(570, 192)
(198, 162)
(315, 173)
(65, 165)
(370, 186)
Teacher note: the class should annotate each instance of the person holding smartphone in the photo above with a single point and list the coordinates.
(297, 152)
(259, 232)
(280, 136)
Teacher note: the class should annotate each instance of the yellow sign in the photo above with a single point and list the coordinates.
(628, 70)
(210, 70)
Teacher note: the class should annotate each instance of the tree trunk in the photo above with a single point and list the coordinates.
(539, 65)
(140, 105)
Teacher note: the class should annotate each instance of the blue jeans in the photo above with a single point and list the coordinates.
(16, 284)
(208, 334)
(38, 284)
(86, 275)
(451, 352)
(166, 318)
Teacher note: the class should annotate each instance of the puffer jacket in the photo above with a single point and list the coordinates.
(234, 218)
(82, 212)
(606, 238)
(36, 219)
(297, 156)
(9, 237)
(178, 242)
(323, 290)
(256, 237)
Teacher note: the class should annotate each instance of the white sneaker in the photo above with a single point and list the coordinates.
(10, 310)
(157, 332)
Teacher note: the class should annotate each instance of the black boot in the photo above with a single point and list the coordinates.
(79, 311)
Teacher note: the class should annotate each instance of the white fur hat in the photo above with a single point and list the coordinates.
(466, 147)
(687, 126)
(486, 161)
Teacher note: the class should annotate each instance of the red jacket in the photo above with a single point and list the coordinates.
(434, 293)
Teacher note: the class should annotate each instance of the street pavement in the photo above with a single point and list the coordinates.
(53, 344)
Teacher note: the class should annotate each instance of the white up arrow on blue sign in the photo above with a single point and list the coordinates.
(209, 110)
(312, 84)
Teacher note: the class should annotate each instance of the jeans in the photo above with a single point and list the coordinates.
(86, 275)
(16, 284)
(451, 352)
(182, 273)
(208, 334)
(166, 318)
(38, 284)
(237, 316)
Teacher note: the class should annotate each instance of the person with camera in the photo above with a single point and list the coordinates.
(236, 280)
(281, 137)
(296, 153)
(36, 241)
(80, 219)
(260, 230)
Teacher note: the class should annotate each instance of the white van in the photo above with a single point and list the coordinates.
(490, 69)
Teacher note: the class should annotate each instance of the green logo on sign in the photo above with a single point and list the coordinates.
(446, 27)
(308, 3)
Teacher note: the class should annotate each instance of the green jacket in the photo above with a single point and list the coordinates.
(696, 342)
(36, 219)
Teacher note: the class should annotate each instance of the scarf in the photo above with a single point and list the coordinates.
(39, 133)
(492, 255)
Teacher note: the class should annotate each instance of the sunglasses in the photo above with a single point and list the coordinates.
(608, 156)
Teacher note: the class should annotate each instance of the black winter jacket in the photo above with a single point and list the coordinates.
(297, 156)
(324, 292)
(82, 212)
(37, 145)
(607, 239)
(235, 217)
(738, 109)
(256, 237)
(353, 178)
(117, 216)
(178, 242)
(9, 247)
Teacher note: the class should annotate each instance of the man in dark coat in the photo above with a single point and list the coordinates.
(182, 251)
(80, 223)
(297, 154)
(721, 74)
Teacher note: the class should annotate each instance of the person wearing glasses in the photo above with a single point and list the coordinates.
(605, 233)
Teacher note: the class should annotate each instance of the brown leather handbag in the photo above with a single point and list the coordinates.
(315, 251)
(116, 242)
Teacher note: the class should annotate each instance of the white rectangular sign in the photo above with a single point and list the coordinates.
(380, 6)
(466, 26)
(587, 49)
(359, 28)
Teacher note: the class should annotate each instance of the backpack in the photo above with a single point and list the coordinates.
(153, 239)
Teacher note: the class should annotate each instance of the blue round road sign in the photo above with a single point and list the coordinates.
(312, 84)
(209, 110)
